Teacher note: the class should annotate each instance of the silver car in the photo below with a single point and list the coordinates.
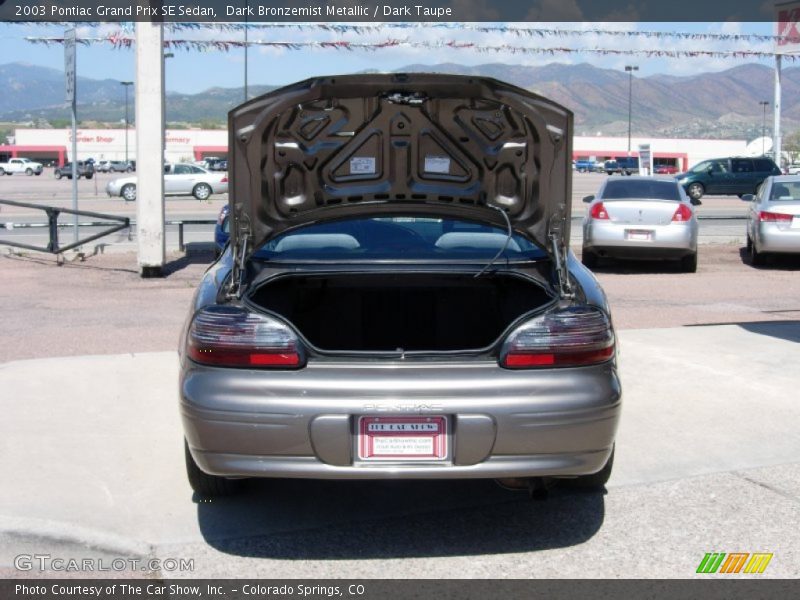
(773, 218)
(640, 218)
(179, 180)
(398, 299)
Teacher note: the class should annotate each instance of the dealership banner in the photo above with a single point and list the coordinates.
(385, 10)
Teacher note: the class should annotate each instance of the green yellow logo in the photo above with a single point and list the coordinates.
(734, 562)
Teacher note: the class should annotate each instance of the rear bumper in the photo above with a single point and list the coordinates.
(778, 238)
(501, 423)
(666, 241)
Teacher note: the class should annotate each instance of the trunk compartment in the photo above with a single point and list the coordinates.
(433, 312)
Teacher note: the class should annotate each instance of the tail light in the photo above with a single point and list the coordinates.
(565, 338)
(234, 337)
(598, 211)
(771, 217)
(682, 215)
(224, 180)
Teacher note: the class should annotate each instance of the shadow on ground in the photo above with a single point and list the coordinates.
(784, 330)
(777, 262)
(195, 253)
(304, 520)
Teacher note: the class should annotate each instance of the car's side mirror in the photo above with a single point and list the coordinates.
(695, 201)
(748, 198)
(588, 199)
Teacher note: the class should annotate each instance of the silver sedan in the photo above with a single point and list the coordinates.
(773, 219)
(640, 218)
(179, 180)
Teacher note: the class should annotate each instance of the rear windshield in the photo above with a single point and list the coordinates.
(398, 238)
(785, 191)
(641, 189)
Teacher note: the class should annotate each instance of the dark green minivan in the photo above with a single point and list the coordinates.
(727, 176)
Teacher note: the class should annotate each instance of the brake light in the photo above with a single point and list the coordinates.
(234, 337)
(566, 338)
(598, 211)
(224, 180)
(771, 217)
(682, 215)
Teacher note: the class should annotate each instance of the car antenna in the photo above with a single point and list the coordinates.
(505, 244)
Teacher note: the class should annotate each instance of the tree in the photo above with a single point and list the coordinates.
(791, 144)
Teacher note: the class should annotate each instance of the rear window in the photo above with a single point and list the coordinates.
(398, 238)
(785, 191)
(764, 165)
(641, 189)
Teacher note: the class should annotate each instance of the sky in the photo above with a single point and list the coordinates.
(192, 71)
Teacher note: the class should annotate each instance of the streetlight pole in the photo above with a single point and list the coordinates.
(764, 104)
(630, 69)
(127, 84)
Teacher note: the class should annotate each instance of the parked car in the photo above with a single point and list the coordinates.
(585, 166)
(640, 218)
(665, 169)
(119, 166)
(222, 231)
(727, 176)
(363, 325)
(20, 165)
(773, 218)
(84, 169)
(792, 169)
(624, 165)
(179, 180)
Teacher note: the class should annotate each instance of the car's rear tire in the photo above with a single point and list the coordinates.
(88, 175)
(689, 263)
(589, 259)
(208, 486)
(58, 175)
(595, 481)
(756, 257)
(696, 191)
(201, 191)
(128, 192)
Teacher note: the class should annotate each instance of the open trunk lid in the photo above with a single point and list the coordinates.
(447, 145)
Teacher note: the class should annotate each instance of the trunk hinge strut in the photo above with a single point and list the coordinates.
(239, 255)
(562, 272)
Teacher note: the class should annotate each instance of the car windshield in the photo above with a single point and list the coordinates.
(398, 237)
(638, 189)
(785, 190)
(701, 167)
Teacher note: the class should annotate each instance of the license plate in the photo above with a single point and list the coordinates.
(639, 234)
(402, 438)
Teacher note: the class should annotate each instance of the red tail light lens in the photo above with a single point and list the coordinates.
(682, 215)
(234, 337)
(566, 338)
(598, 211)
(224, 180)
(771, 217)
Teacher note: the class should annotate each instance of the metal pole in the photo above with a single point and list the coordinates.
(776, 133)
(630, 69)
(245, 52)
(764, 104)
(75, 166)
(127, 84)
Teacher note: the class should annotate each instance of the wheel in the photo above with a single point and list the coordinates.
(201, 191)
(59, 175)
(689, 263)
(28, 171)
(129, 170)
(595, 480)
(205, 484)
(589, 259)
(2, 172)
(89, 175)
(39, 173)
(696, 191)
(128, 192)
(756, 257)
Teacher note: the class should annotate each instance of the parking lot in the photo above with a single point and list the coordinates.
(706, 460)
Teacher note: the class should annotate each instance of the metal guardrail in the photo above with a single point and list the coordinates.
(53, 216)
(52, 225)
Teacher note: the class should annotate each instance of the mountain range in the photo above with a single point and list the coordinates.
(707, 105)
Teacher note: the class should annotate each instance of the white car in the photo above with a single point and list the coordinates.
(773, 218)
(179, 180)
(20, 165)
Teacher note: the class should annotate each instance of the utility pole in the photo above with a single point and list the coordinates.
(630, 69)
(127, 84)
(764, 104)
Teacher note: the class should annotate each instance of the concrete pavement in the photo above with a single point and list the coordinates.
(707, 460)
